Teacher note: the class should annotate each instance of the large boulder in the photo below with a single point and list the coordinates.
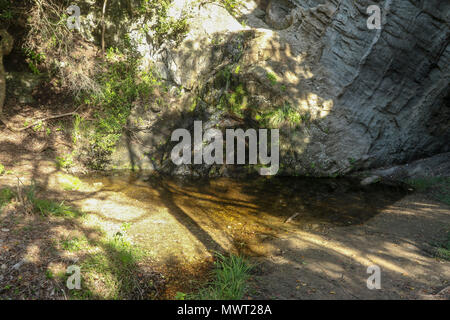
(349, 97)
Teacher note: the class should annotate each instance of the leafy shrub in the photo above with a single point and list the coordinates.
(232, 6)
(121, 84)
(7, 12)
(272, 78)
(64, 161)
(163, 26)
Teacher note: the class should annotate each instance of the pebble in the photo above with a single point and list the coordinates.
(18, 265)
(5, 230)
(3, 267)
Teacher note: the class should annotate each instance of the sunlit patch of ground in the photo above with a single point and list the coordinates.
(145, 238)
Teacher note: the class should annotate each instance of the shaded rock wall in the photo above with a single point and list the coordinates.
(367, 98)
(389, 84)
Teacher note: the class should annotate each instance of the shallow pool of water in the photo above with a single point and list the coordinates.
(340, 202)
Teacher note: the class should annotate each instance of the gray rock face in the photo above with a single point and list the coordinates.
(20, 86)
(366, 98)
(279, 14)
(435, 166)
(390, 85)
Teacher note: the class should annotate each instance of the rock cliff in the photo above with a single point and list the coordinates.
(345, 97)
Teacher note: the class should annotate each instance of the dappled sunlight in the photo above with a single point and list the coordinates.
(114, 209)
(401, 258)
(349, 252)
(180, 223)
(144, 235)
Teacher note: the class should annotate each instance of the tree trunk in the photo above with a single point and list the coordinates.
(6, 44)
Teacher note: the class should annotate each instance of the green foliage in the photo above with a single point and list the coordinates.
(38, 127)
(224, 77)
(48, 207)
(443, 253)
(6, 195)
(236, 100)
(74, 244)
(7, 12)
(121, 84)
(49, 274)
(115, 267)
(439, 187)
(163, 26)
(34, 59)
(423, 184)
(64, 161)
(229, 280)
(124, 251)
(2, 169)
(77, 126)
(284, 114)
(232, 6)
(180, 296)
(443, 249)
(125, 226)
(272, 78)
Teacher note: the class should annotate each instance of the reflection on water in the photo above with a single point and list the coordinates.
(340, 202)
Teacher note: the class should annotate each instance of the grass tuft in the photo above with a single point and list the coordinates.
(443, 249)
(6, 195)
(438, 187)
(74, 244)
(48, 207)
(229, 280)
(112, 272)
